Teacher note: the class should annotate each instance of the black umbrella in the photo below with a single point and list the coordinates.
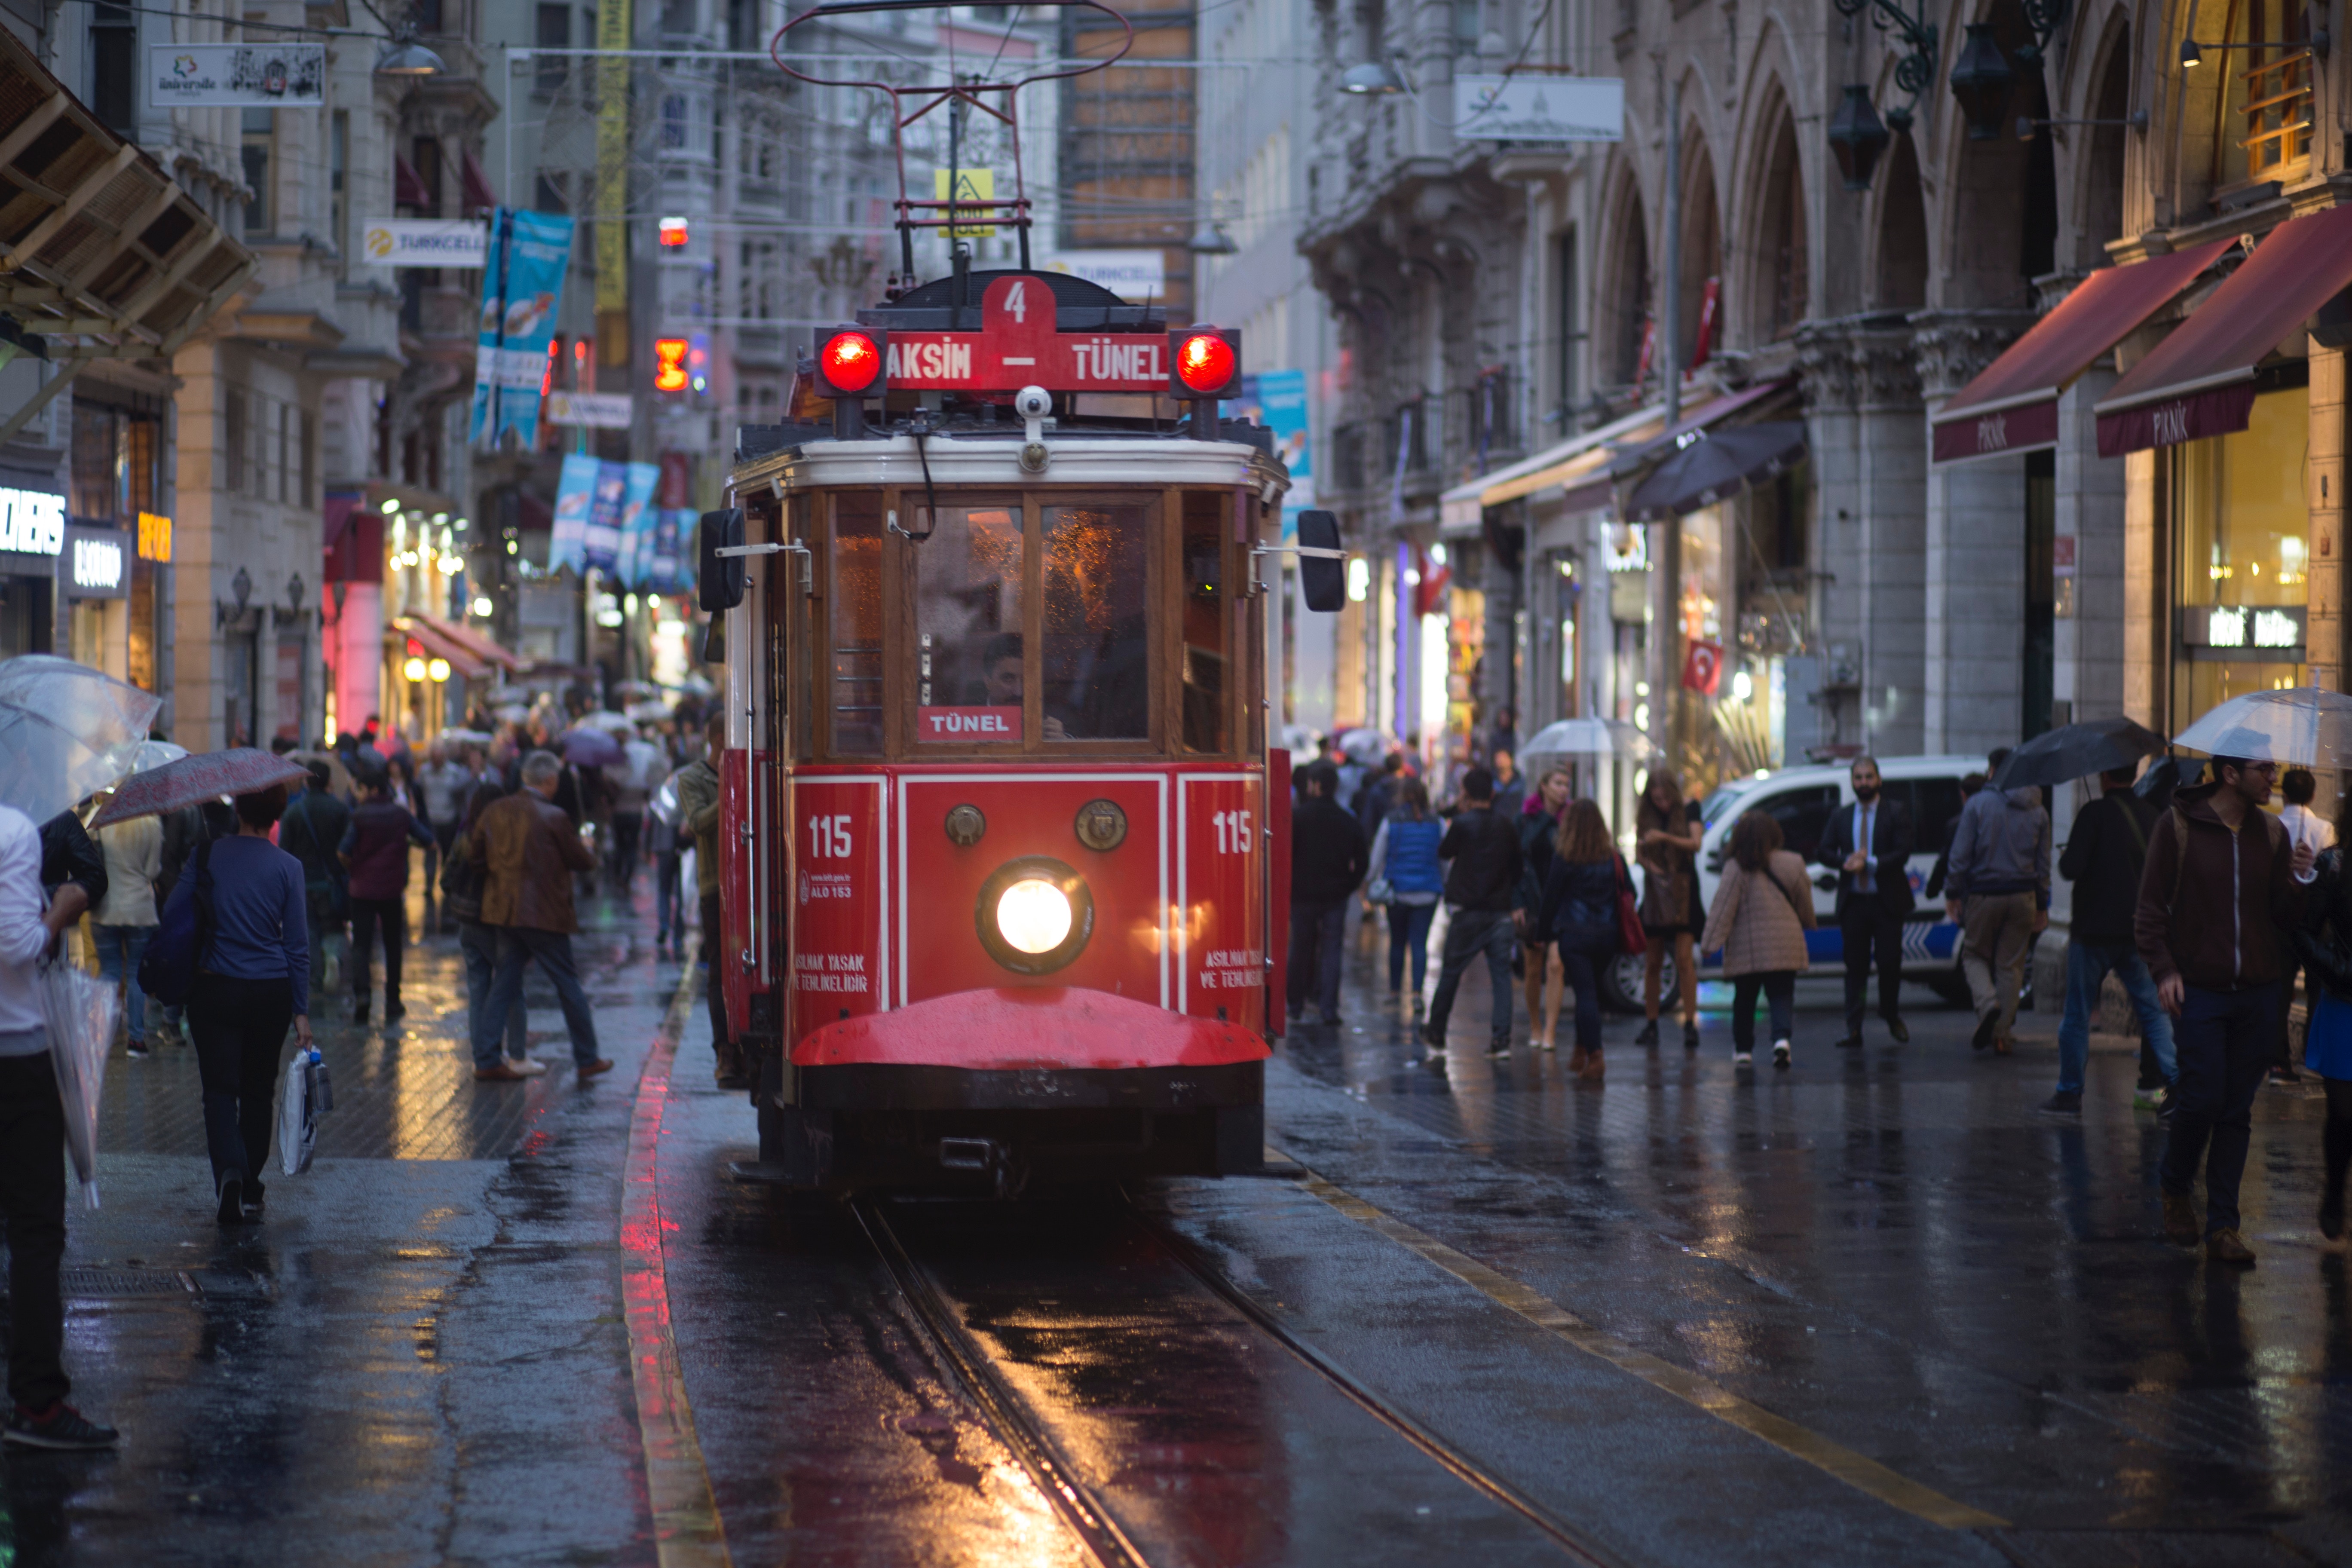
(1716, 465)
(2074, 750)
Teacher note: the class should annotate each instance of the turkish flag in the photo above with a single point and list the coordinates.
(1702, 668)
(1429, 594)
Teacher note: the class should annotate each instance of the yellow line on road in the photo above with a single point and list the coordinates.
(1862, 1474)
(688, 1532)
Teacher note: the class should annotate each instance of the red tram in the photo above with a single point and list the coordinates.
(999, 814)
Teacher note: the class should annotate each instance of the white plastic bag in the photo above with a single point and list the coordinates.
(80, 1010)
(307, 1094)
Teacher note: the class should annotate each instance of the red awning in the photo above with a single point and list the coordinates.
(439, 644)
(465, 636)
(2201, 380)
(2013, 407)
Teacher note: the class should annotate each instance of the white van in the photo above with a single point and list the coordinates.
(1802, 799)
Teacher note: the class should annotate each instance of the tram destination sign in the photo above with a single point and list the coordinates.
(1017, 346)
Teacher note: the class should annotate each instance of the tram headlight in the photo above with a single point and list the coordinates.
(1033, 915)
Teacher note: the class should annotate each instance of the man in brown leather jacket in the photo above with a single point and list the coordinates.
(2214, 910)
(529, 851)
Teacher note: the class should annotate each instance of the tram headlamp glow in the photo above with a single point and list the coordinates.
(1033, 916)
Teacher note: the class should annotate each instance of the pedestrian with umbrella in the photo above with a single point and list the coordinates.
(2225, 883)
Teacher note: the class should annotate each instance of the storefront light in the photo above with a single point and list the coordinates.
(438, 669)
(391, 508)
(1360, 579)
(1742, 687)
(413, 669)
(483, 607)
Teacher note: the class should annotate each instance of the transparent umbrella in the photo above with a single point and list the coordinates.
(1581, 738)
(2301, 725)
(67, 731)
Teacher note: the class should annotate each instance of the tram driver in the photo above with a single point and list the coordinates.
(1000, 682)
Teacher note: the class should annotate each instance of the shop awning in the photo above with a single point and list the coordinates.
(102, 254)
(1566, 464)
(483, 647)
(428, 634)
(2201, 380)
(2013, 407)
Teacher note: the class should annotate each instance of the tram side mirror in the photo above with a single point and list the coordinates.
(1322, 579)
(721, 583)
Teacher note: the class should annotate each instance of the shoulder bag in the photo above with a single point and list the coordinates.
(1631, 940)
(168, 971)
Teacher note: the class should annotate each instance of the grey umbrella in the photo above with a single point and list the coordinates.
(2076, 750)
(1716, 465)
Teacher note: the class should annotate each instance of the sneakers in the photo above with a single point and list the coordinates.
(59, 1427)
(2228, 1247)
(1501, 1047)
(2180, 1226)
(1649, 1035)
(2285, 1073)
(232, 1200)
(2065, 1102)
(1781, 1055)
(1988, 1027)
(2148, 1096)
(1743, 1059)
(139, 1050)
(530, 1067)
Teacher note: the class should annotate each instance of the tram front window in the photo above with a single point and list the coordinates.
(1096, 664)
(968, 577)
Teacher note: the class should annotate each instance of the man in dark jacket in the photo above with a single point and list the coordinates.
(374, 851)
(1328, 857)
(1480, 885)
(2106, 856)
(313, 832)
(1869, 842)
(2224, 882)
(1997, 890)
(528, 851)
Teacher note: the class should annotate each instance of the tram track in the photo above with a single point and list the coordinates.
(1027, 1431)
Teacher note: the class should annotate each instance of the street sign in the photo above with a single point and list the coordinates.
(424, 242)
(1017, 346)
(1532, 107)
(255, 76)
(971, 185)
(596, 410)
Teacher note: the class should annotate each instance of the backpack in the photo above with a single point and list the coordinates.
(168, 971)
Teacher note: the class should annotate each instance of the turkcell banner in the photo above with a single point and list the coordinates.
(523, 286)
(255, 76)
(637, 512)
(424, 242)
(575, 492)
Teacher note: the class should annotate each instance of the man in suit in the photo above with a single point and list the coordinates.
(1869, 842)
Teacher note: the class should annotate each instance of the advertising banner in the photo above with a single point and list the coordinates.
(668, 574)
(1134, 276)
(1538, 108)
(601, 549)
(424, 242)
(522, 287)
(596, 410)
(576, 491)
(1279, 399)
(255, 76)
(637, 514)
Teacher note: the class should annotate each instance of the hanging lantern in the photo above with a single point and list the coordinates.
(1981, 81)
(1857, 138)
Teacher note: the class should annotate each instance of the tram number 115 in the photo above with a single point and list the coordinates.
(1233, 834)
(829, 838)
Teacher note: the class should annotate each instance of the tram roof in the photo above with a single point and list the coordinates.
(806, 456)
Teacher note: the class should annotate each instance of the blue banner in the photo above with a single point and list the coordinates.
(522, 289)
(575, 492)
(1278, 399)
(637, 514)
(668, 574)
(601, 549)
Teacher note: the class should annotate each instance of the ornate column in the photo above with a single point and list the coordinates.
(1975, 552)
(1869, 450)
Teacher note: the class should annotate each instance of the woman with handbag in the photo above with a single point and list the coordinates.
(1404, 874)
(1763, 907)
(1579, 916)
(1666, 833)
(1546, 981)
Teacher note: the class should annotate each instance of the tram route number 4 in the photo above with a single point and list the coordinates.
(1233, 835)
(829, 838)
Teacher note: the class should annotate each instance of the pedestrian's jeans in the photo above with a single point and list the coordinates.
(2088, 963)
(1997, 934)
(519, 945)
(240, 1030)
(1409, 933)
(33, 1199)
(2223, 1043)
(669, 904)
(1582, 956)
(1779, 988)
(325, 927)
(119, 948)
(479, 945)
(1469, 932)
(714, 940)
(1317, 931)
(367, 915)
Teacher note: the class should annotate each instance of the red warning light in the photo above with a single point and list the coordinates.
(669, 364)
(1204, 362)
(850, 361)
(672, 232)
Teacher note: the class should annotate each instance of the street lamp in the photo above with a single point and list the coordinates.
(2192, 53)
(1981, 81)
(1210, 239)
(1374, 78)
(403, 56)
(1858, 138)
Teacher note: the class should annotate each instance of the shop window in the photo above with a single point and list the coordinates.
(2274, 90)
(1208, 626)
(2242, 535)
(113, 70)
(1096, 662)
(857, 618)
(970, 666)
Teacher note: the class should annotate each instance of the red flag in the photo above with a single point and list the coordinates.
(1702, 668)
(1708, 302)
(1430, 592)
(1649, 349)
